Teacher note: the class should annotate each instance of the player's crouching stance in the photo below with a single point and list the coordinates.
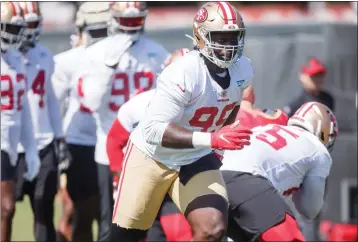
(171, 148)
(16, 122)
(294, 159)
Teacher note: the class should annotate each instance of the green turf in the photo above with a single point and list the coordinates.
(23, 221)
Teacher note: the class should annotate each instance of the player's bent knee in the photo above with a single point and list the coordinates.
(208, 215)
(287, 230)
(7, 207)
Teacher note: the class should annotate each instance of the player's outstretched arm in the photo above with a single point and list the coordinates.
(166, 110)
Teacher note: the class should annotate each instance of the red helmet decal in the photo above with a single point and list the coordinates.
(201, 15)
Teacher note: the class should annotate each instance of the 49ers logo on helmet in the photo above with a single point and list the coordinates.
(201, 15)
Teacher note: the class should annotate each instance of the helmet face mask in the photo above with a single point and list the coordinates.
(33, 19)
(12, 25)
(95, 32)
(92, 23)
(219, 33)
(223, 48)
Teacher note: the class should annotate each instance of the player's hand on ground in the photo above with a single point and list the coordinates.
(33, 164)
(230, 138)
(63, 155)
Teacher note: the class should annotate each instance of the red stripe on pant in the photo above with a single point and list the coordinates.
(129, 149)
(287, 230)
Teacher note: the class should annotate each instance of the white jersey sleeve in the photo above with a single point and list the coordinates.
(167, 105)
(96, 86)
(27, 138)
(78, 124)
(54, 107)
(320, 165)
(309, 198)
(66, 64)
(133, 111)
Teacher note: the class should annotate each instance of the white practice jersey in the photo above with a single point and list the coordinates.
(133, 111)
(112, 76)
(188, 96)
(78, 124)
(44, 106)
(283, 154)
(16, 122)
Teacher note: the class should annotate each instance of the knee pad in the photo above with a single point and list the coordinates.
(118, 233)
(287, 230)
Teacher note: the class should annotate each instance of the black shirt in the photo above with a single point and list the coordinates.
(323, 97)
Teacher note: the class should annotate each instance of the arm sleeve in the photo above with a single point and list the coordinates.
(167, 104)
(117, 139)
(54, 109)
(96, 87)
(27, 136)
(128, 112)
(60, 80)
(309, 198)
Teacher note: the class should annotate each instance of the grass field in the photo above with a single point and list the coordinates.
(23, 221)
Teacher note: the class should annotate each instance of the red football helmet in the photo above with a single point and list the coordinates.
(128, 17)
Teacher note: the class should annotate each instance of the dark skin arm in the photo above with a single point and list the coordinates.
(178, 137)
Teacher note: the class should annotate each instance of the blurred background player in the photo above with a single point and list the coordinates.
(312, 77)
(115, 69)
(16, 122)
(47, 121)
(296, 161)
(172, 145)
(79, 125)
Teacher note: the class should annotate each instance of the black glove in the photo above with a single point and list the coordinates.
(63, 155)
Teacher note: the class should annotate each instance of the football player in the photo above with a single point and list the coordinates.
(46, 116)
(191, 113)
(116, 68)
(293, 159)
(16, 122)
(170, 224)
(79, 125)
